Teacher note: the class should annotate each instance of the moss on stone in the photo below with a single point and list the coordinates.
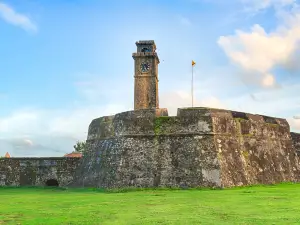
(273, 124)
(239, 129)
(238, 125)
(247, 135)
(160, 121)
(246, 155)
(240, 119)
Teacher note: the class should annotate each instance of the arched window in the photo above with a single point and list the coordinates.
(145, 50)
(52, 182)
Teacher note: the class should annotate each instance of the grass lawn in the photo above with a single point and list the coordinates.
(278, 204)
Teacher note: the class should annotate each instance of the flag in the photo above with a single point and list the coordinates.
(193, 63)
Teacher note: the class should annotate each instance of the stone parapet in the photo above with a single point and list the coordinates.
(145, 54)
(145, 42)
(187, 121)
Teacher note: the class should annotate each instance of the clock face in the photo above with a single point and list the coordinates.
(145, 67)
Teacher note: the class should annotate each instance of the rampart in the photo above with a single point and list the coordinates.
(52, 171)
(198, 147)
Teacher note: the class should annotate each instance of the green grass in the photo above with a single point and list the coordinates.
(277, 204)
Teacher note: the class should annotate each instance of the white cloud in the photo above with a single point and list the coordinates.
(75, 123)
(40, 132)
(174, 100)
(257, 5)
(252, 5)
(28, 142)
(19, 121)
(182, 99)
(295, 124)
(11, 16)
(268, 80)
(260, 52)
(212, 102)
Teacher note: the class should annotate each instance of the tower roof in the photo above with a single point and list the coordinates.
(145, 42)
(7, 155)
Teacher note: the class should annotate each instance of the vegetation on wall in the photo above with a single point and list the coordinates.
(80, 146)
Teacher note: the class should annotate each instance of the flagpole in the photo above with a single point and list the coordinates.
(192, 85)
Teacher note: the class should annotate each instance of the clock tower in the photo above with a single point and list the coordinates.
(145, 76)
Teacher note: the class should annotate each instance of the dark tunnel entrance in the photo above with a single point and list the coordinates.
(52, 183)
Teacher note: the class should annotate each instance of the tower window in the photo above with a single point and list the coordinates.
(145, 50)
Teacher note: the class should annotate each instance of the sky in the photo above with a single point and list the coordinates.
(64, 63)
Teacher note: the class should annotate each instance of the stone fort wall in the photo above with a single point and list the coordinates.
(37, 171)
(296, 142)
(198, 147)
(148, 148)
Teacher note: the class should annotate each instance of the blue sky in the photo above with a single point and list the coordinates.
(63, 63)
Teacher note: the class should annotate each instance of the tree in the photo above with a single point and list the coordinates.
(80, 146)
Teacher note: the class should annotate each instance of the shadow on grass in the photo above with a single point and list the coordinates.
(103, 190)
(135, 189)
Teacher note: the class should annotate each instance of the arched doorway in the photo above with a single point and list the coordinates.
(52, 183)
